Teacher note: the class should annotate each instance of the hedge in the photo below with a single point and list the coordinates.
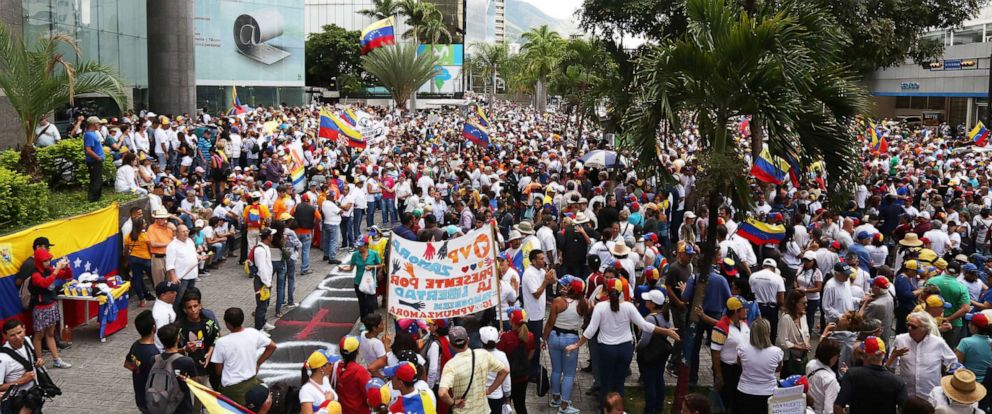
(20, 199)
(62, 165)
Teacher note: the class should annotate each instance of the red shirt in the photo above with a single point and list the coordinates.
(509, 342)
(352, 378)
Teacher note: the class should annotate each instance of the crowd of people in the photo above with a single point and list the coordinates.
(879, 305)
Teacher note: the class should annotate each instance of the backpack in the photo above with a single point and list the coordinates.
(443, 353)
(250, 268)
(657, 350)
(25, 293)
(162, 393)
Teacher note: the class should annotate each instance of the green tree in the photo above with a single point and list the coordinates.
(490, 57)
(542, 49)
(381, 9)
(586, 78)
(40, 79)
(335, 53)
(787, 67)
(400, 70)
(418, 14)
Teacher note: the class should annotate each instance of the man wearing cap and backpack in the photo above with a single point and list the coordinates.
(168, 373)
(463, 381)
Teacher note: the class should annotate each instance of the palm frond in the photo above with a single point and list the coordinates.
(400, 69)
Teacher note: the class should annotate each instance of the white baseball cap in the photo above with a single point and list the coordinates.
(488, 334)
(655, 296)
(769, 262)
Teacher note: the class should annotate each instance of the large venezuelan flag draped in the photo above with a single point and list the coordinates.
(770, 169)
(378, 34)
(761, 233)
(214, 402)
(421, 403)
(979, 135)
(91, 243)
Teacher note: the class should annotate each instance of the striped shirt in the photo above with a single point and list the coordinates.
(455, 377)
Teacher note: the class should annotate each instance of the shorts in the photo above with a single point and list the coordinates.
(45, 317)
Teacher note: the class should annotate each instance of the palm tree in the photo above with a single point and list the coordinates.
(417, 13)
(781, 65)
(542, 49)
(41, 79)
(433, 30)
(381, 9)
(490, 57)
(586, 77)
(400, 69)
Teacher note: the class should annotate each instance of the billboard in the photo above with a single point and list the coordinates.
(249, 42)
(449, 77)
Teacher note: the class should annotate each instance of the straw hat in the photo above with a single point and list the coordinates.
(525, 227)
(961, 386)
(515, 235)
(580, 218)
(160, 213)
(620, 249)
(911, 240)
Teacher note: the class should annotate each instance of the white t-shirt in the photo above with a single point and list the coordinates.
(331, 213)
(11, 370)
(759, 376)
(164, 314)
(180, 256)
(766, 285)
(238, 352)
(125, 180)
(311, 393)
(370, 349)
(532, 281)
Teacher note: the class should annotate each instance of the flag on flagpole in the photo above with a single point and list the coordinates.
(348, 116)
(378, 34)
(483, 119)
(761, 233)
(214, 402)
(238, 108)
(476, 133)
(794, 169)
(979, 135)
(769, 169)
(355, 138)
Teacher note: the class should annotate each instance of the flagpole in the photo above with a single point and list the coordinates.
(499, 283)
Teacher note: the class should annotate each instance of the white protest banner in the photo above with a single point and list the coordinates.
(443, 279)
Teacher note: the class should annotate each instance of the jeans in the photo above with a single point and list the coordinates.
(617, 358)
(654, 387)
(279, 274)
(563, 364)
(811, 307)
(347, 236)
(331, 239)
(389, 211)
(702, 329)
(366, 303)
(770, 312)
(594, 361)
(518, 394)
(731, 377)
(290, 279)
(370, 218)
(535, 362)
(261, 306)
(356, 222)
(306, 240)
(218, 249)
(139, 269)
(96, 180)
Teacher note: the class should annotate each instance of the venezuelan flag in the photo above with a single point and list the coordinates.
(378, 34)
(483, 119)
(327, 128)
(769, 169)
(979, 135)
(794, 169)
(476, 133)
(761, 233)
(415, 404)
(355, 138)
(90, 242)
(238, 108)
(214, 402)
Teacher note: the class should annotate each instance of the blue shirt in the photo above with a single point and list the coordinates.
(864, 259)
(91, 140)
(717, 293)
(977, 354)
(905, 299)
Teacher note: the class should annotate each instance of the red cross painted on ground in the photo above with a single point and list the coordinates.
(316, 322)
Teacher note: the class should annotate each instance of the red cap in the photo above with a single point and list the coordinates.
(406, 372)
(518, 316)
(980, 320)
(873, 345)
(880, 282)
(835, 245)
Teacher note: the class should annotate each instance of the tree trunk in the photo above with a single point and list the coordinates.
(540, 94)
(757, 136)
(713, 202)
(28, 164)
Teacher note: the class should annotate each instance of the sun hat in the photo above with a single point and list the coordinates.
(911, 240)
(962, 387)
(525, 227)
(580, 218)
(514, 235)
(160, 213)
(620, 249)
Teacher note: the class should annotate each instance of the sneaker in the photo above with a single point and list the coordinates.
(279, 315)
(269, 326)
(569, 410)
(554, 403)
(306, 272)
(59, 363)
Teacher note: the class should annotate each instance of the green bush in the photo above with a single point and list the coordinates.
(9, 159)
(20, 199)
(63, 165)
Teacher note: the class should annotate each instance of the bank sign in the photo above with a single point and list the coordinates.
(954, 64)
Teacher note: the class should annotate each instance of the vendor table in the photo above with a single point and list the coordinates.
(82, 314)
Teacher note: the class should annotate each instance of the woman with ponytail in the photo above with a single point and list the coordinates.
(519, 345)
(610, 324)
(316, 391)
(564, 323)
(350, 378)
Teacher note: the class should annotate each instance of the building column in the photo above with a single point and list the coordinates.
(171, 57)
(969, 118)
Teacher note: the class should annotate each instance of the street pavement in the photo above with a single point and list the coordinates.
(327, 310)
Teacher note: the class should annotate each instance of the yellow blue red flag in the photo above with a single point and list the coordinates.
(213, 402)
(378, 34)
(979, 135)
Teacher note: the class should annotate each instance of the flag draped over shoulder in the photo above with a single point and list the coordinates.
(979, 135)
(213, 402)
(378, 34)
(761, 233)
(770, 169)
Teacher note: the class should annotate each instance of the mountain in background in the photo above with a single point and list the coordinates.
(522, 16)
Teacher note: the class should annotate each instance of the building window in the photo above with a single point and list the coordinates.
(966, 35)
(902, 102)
